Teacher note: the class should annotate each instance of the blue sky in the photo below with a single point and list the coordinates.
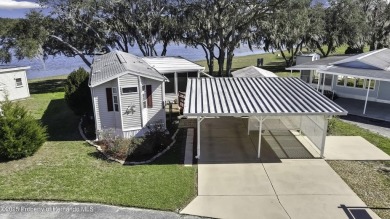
(16, 8)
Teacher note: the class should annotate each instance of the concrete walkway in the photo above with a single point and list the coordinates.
(62, 210)
(352, 148)
(233, 183)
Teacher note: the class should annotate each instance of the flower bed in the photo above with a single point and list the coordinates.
(136, 149)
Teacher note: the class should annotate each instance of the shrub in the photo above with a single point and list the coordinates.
(156, 139)
(116, 146)
(137, 149)
(77, 92)
(21, 135)
(351, 50)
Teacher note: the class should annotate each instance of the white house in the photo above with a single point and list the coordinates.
(177, 70)
(13, 82)
(127, 94)
(362, 77)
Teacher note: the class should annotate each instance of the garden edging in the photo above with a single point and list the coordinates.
(122, 161)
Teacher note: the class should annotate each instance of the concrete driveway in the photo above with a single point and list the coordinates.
(233, 183)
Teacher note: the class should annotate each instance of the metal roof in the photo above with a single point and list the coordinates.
(8, 68)
(356, 72)
(114, 64)
(252, 72)
(255, 97)
(378, 59)
(172, 64)
(318, 64)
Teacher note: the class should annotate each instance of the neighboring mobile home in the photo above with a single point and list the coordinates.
(253, 72)
(364, 77)
(127, 94)
(13, 82)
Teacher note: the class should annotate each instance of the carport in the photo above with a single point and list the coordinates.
(270, 104)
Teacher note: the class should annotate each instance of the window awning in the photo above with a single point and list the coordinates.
(255, 97)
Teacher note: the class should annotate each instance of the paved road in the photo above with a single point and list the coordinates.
(376, 126)
(58, 210)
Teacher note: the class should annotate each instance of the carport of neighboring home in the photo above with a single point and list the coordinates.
(288, 103)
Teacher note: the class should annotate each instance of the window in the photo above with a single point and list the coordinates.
(341, 80)
(170, 86)
(360, 82)
(315, 78)
(305, 76)
(355, 82)
(328, 80)
(147, 100)
(19, 82)
(112, 99)
(371, 85)
(115, 99)
(127, 90)
(350, 81)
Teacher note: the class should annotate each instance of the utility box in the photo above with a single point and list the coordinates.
(260, 62)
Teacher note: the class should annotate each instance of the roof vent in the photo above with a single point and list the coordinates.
(97, 71)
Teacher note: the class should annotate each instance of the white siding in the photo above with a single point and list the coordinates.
(103, 118)
(130, 120)
(384, 90)
(135, 133)
(8, 85)
(157, 113)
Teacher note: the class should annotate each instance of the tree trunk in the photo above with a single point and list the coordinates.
(221, 61)
(164, 51)
(373, 43)
(330, 48)
(210, 61)
(284, 57)
(229, 61)
(320, 48)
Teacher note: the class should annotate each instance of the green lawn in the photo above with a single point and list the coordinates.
(68, 169)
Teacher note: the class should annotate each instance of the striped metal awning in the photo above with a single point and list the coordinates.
(255, 97)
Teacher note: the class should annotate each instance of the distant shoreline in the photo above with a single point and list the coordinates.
(61, 66)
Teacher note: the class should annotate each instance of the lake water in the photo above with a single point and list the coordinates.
(61, 65)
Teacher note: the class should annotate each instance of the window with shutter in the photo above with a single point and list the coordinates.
(149, 96)
(109, 99)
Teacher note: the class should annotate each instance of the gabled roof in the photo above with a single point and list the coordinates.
(253, 72)
(319, 64)
(376, 60)
(8, 68)
(115, 64)
(172, 64)
(255, 97)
